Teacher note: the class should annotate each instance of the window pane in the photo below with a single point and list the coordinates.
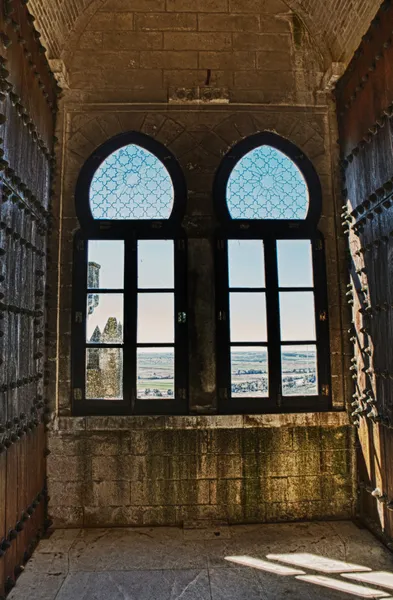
(155, 373)
(299, 370)
(297, 315)
(248, 317)
(266, 184)
(294, 263)
(155, 318)
(104, 373)
(246, 263)
(104, 318)
(249, 372)
(155, 264)
(106, 264)
(131, 183)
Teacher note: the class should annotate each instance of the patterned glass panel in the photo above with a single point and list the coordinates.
(131, 183)
(266, 184)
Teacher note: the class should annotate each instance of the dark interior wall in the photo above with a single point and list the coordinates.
(27, 111)
(365, 96)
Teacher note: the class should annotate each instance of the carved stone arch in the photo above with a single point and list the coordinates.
(307, 136)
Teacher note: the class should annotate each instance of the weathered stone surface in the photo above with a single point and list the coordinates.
(198, 564)
(222, 71)
(37, 585)
(170, 476)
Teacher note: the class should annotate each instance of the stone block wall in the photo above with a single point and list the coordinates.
(198, 78)
(180, 50)
(198, 137)
(174, 470)
(337, 27)
(117, 471)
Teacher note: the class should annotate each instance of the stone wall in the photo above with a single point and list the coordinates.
(195, 470)
(127, 470)
(117, 471)
(337, 26)
(198, 137)
(189, 52)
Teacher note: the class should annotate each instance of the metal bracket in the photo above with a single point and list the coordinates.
(77, 394)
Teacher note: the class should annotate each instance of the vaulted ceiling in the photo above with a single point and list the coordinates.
(336, 25)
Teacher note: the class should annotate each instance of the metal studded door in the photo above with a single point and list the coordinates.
(27, 112)
(365, 109)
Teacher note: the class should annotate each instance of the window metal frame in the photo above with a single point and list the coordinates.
(269, 232)
(129, 231)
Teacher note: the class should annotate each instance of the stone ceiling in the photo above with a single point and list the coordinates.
(336, 25)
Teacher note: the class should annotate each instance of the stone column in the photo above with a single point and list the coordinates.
(201, 315)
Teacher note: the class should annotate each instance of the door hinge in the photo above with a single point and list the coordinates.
(78, 317)
(77, 393)
(223, 393)
(182, 393)
(220, 244)
(181, 317)
(181, 244)
(222, 315)
(323, 315)
(325, 389)
(318, 245)
(106, 225)
(80, 245)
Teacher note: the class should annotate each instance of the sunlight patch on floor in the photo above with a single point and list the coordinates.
(317, 563)
(382, 578)
(343, 586)
(263, 565)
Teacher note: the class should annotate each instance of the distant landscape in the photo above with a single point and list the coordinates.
(155, 375)
(249, 374)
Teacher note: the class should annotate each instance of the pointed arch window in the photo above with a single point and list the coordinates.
(129, 305)
(273, 347)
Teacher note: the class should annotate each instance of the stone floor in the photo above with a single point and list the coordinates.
(324, 560)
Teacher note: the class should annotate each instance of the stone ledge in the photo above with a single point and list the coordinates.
(127, 423)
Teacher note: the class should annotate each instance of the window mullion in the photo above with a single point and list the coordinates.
(273, 320)
(321, 317)
(79, 320)
(130, 320)
(181, 392)
(223, 325)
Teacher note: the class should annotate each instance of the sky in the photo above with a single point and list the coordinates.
(246, 269)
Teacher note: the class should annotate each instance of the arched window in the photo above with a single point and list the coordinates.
(129, 332)
(273, 352)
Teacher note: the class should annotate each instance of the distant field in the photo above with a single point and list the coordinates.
(250, 373)
(156, 374)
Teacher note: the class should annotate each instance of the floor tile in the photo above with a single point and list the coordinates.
(137, 585)
(37, 586)
(171, 563)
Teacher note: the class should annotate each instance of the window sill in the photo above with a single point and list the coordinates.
(124, 423)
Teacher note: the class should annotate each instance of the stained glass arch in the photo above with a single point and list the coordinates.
(267, 182)
(131, 181)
